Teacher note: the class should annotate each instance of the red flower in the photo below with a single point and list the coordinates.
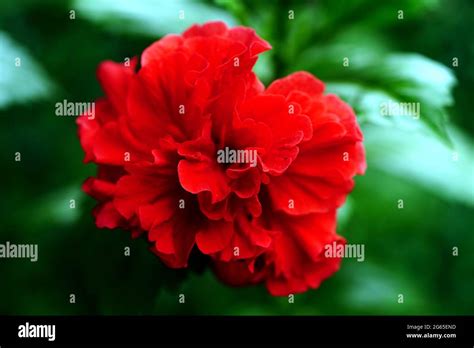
(194, 152)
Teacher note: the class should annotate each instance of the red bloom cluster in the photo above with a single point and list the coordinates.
(156, 137)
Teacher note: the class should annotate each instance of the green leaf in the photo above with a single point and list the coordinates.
(300, 31)
(148, 17)
(368, 13)
(21, 78)
(344, 214)
(370, 287)
(325, 21)
(373, 80)
(264, 68)
(420, 159)
(236, 7)
(61, 207)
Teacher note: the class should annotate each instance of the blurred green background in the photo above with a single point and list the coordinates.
(403, 56)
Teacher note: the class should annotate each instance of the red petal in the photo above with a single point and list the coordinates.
(115, 79)
(301, 81)
(214, 236)
(106, 216)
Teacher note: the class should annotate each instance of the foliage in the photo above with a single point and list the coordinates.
(426, 162)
